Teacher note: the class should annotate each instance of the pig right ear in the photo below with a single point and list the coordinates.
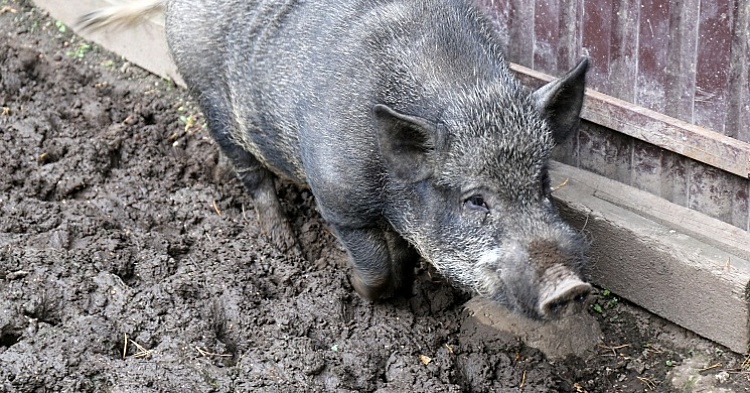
(560, 101)
(405, 143)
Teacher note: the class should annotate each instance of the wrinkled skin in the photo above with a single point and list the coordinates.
(404, 120)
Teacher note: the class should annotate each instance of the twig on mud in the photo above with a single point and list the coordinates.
(205, 353)
(650, 347)
(8, 8)
(216, 208)
(579, 388)
(125, 347)
(710, 367)
(746, 364)
(650, 383)
(523, 380)
(244, 213)
(613, 348)
(142, 352)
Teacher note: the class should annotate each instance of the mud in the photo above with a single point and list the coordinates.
(131, 261)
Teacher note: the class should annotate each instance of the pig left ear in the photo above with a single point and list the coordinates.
(560, 101)
(405, 143)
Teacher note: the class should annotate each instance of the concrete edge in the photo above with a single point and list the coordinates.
(658, 265)
(144, 45)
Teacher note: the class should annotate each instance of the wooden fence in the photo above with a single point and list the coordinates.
(668, 109)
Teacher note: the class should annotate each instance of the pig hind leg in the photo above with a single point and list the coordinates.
(259, 182)
(383, 262)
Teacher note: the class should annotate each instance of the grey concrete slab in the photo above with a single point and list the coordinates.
(145, 46)
(661, 265)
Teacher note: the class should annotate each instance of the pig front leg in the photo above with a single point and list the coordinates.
(403, 261)
(383, 262)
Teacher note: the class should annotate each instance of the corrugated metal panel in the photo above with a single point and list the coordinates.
(684, 59)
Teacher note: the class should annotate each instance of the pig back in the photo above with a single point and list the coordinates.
(294, 82)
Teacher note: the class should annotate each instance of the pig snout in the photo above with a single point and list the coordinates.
(543, 280)
(564, 297)
(558, 278)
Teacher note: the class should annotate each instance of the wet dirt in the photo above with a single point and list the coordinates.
(131, 261)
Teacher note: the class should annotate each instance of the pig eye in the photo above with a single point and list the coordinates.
(476, 202)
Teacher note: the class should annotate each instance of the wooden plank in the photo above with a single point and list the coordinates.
(654, 260)
(741, 206)
(605, 153)
(546, 33)
(652, 54)
(713, 52)
(673, 176)
(596, 39)
(623, 53)
(679, 92)
(738, 89)
(681, 63)
(649, 171)
(738, 191)
(709, 230)
(569, 44)
(737, 124)
(709, 192)
(664, 131)
(521, 32)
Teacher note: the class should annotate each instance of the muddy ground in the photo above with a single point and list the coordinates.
(130, 261)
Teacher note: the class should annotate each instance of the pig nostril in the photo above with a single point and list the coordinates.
(568, 297)
(555, 308)
(581, 297)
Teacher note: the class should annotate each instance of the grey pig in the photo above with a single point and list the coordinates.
(405, 122)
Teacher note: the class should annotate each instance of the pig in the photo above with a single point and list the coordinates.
(407, 125)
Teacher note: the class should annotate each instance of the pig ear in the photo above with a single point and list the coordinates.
(560, 101)
(405, 143)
